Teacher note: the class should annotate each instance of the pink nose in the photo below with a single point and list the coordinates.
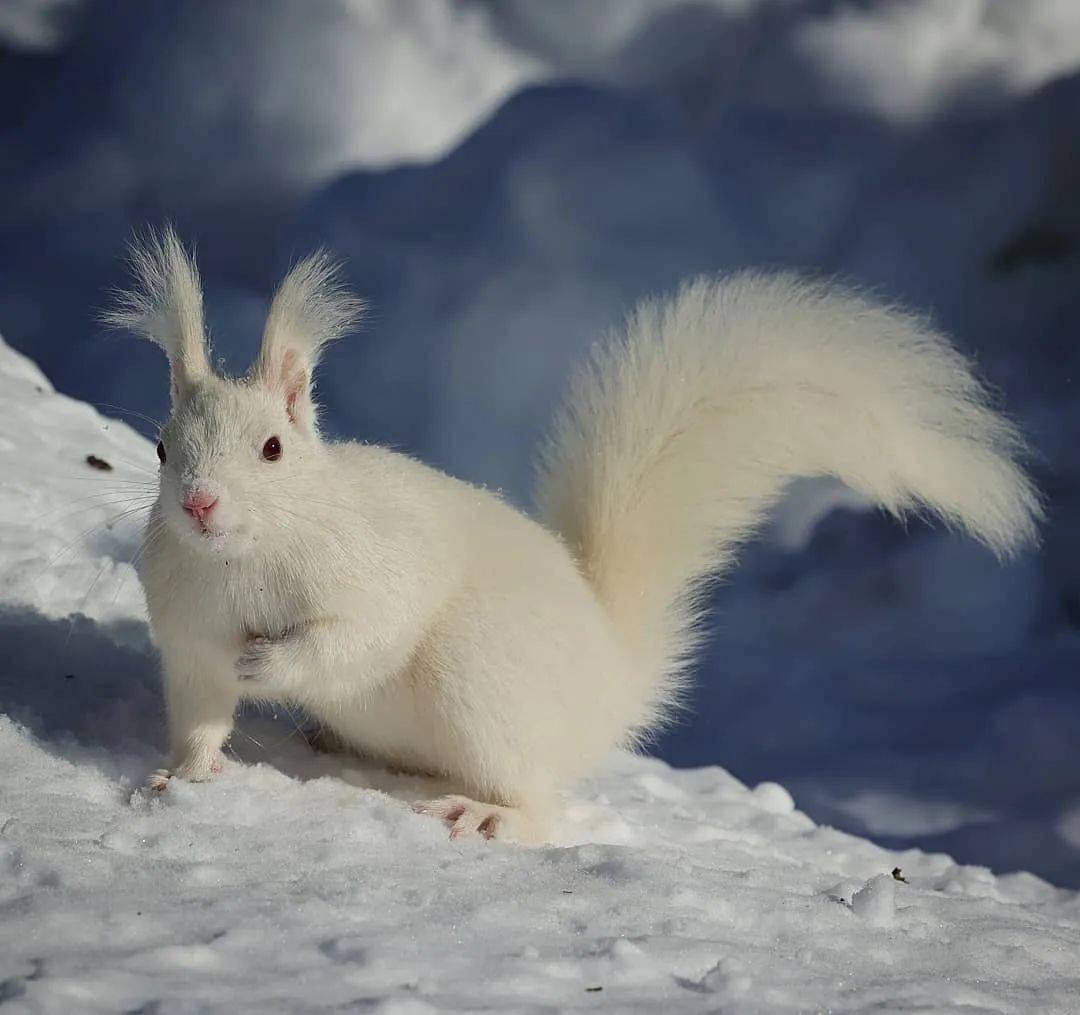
(199, 505)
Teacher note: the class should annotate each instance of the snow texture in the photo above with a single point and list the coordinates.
(505, 180)
(303, 882)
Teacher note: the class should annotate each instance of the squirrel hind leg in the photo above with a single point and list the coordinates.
(468, 818)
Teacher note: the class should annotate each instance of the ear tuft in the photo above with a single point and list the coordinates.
(310, 309)
(165, 305)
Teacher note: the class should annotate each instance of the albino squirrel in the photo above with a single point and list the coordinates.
(429, 624)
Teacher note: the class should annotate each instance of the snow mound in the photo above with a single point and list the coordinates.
(906, 61)
(73, 489)
(36, 25)
(300, 881)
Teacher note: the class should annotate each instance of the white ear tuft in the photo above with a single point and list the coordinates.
(311, 308)
(165, 305)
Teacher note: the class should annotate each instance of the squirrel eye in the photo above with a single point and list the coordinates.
(271, 451)
(161, 452)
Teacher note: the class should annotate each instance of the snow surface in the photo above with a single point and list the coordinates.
(303, 882)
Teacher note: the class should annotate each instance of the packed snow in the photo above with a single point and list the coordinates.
(301, 881)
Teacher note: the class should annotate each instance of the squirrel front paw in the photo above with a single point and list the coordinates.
(197, 767)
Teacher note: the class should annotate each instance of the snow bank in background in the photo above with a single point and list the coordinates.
(907, 61)
(299, 881)
(328, 86)
(403, 80)
(914, 60)
(304, 90)
(36, 25)
(890, 814)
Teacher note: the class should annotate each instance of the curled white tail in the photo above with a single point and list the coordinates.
(677, 438)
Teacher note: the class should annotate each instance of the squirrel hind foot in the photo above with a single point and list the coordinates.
(468, 818)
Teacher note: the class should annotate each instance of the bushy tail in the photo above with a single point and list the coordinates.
(677, 438)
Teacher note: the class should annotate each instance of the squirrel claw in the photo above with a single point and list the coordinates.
(158, 780)
(195, 769)
(464, 817)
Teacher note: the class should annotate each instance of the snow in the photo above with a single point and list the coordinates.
(911, 61)
(905, 61)
(302, 884)
(36, 25)
(70, 533)
(300, 881)
(875, 902)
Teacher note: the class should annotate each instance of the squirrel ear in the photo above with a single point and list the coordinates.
(166, 306)
(310, 309)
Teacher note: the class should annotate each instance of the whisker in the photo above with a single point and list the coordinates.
(110, 476)
(244, 733)
(150, 537)
(71, 543)
(137, 467)
(155, 423)
(63, 514)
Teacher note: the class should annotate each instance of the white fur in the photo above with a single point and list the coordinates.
(428, 624)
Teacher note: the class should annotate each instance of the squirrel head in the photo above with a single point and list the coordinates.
(238, 455)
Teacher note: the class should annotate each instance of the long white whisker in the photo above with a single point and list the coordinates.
(155, 423)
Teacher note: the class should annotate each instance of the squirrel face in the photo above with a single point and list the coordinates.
(231, 458)
(238, 458)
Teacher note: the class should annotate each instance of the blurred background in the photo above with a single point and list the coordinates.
(504, 179)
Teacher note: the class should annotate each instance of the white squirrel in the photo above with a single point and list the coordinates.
(430, 625)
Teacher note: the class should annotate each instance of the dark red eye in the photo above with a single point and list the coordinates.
(271, 450)
(161, 452)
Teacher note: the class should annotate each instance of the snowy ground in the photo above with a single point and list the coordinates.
(303, 882)
(284, 886)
